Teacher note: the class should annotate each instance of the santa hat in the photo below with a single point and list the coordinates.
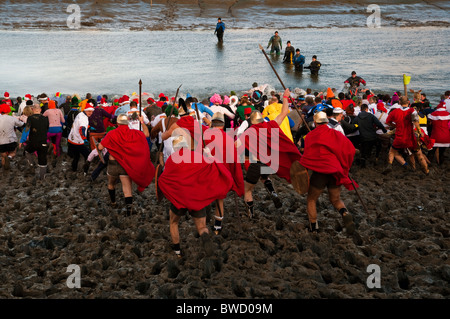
(89, 107)
(330, 93)
(161, 95)
(441, 105)
(6, 95)
(380, 107)
(125, 99)
(136, 100)
(27, 97)
(4, 108)
(216, 99)
(103, 102)
(150, 100)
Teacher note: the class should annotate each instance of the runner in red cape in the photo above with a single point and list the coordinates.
(329, 154)
(224, 151)
(257, 139)
(288, 152)
(221, 146)
(190, 185)
(129, 159)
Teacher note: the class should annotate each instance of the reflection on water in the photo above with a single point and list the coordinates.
(113, 62)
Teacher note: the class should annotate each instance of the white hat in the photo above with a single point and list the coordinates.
(338, 110)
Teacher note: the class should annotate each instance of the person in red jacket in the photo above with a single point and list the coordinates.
(404, 140)
(440, 132)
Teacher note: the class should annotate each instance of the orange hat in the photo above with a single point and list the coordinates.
(51, 104)
(330, 93)
(336, 103)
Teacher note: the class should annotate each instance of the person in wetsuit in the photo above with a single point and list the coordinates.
(314, 66)
(220, 29)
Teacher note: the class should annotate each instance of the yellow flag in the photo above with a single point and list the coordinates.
(406, 79)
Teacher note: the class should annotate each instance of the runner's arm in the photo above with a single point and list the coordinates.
(285, 109)
(144, 126)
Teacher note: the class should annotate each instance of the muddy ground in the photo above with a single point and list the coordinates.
(66, 219)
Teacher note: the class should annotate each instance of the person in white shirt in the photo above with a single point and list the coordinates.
(334, 121)
(8, 137)
(447, 100)
(216, 106)
(133, 117)
(78, 142)
(373, 104)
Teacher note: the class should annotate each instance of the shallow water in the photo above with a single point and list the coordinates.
(108, 62)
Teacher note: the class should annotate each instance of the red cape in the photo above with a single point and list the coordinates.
(328, 151)
(130, 149)
(193, 126)
(404, 131)
(222, 148)
(194, 185)
(263, 132)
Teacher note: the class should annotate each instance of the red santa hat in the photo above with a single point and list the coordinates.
(125, 99)
(441, 105)
(4, 108)
(27, 97)
(103, 102)
(150, 100)
(6, 95)
(89, 106)
(161, 95)
(381, 107)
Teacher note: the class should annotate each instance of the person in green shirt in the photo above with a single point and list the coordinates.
(243, 104)
(275, 43)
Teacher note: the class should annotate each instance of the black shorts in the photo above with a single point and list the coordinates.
(115, 169)
(41, 150)
(10, 147)
(320, 181)
(254, 173)
(182, 211)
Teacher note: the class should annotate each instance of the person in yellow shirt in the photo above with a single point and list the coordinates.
(82, 104)
(272, 110)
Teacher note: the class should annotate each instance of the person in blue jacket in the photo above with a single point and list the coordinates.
(298, 60)
(220, 29)
(192, 101)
